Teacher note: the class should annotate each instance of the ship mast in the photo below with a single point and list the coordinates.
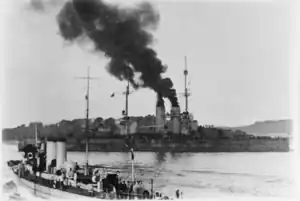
(186, 93)
(87, 98)
(36, 135)
(126, 107)
(127, 92)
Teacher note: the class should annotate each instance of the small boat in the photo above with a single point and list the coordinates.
(52, 184)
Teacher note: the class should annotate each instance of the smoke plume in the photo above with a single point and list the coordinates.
(123, 35)
(160, 101)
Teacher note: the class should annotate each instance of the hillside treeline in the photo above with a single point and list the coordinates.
(75, 129)
(69, 129)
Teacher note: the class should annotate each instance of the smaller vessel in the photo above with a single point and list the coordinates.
(46, 171)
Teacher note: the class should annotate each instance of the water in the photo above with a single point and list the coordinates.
(205, 175)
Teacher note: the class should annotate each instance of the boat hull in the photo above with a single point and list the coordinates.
(46, 192)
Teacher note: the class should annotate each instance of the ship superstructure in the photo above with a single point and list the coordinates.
(175, 121)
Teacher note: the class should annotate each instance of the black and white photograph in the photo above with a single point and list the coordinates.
(150, 100)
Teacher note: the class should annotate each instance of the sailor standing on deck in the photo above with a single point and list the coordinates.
(97, 179)
(177, 194)
(70, 176)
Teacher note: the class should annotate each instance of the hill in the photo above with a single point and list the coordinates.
(106, 127)
(268, 128)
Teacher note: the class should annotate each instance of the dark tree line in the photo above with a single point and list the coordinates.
(76, 129)
(70, 129)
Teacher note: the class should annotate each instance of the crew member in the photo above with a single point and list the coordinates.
(98, 181)
(70, 176)
(177, 194)
(61, 179)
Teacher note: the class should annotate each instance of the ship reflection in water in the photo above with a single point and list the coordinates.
(162, 157)
(203, 174)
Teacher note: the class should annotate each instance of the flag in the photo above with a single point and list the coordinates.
(132, 154)
(112, 95)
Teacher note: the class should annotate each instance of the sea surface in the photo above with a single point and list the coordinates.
(208, 176)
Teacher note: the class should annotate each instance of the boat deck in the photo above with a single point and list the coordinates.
(48, 184)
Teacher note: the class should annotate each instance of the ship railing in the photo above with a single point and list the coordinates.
(88, 192)
(121, 194)
(140, 195)
(47, 182)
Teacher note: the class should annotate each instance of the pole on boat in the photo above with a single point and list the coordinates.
(151, 188)
(126, 99)
(35, 162)
(36, 135)
(132, 165)
(87, 98)
(36, 155)
(87, 122)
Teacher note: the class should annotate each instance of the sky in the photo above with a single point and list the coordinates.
(238, 57)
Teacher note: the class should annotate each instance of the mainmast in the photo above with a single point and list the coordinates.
(87, 98)
(186, 93)
(127, 92)
(87, 130)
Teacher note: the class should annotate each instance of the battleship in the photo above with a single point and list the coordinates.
(175, 131)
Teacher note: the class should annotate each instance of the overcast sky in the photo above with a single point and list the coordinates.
(238, 54)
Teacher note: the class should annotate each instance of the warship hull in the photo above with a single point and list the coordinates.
(157, 143)
(251, 145)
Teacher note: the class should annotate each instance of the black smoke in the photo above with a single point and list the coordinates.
(160, 101)
(123, 35)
